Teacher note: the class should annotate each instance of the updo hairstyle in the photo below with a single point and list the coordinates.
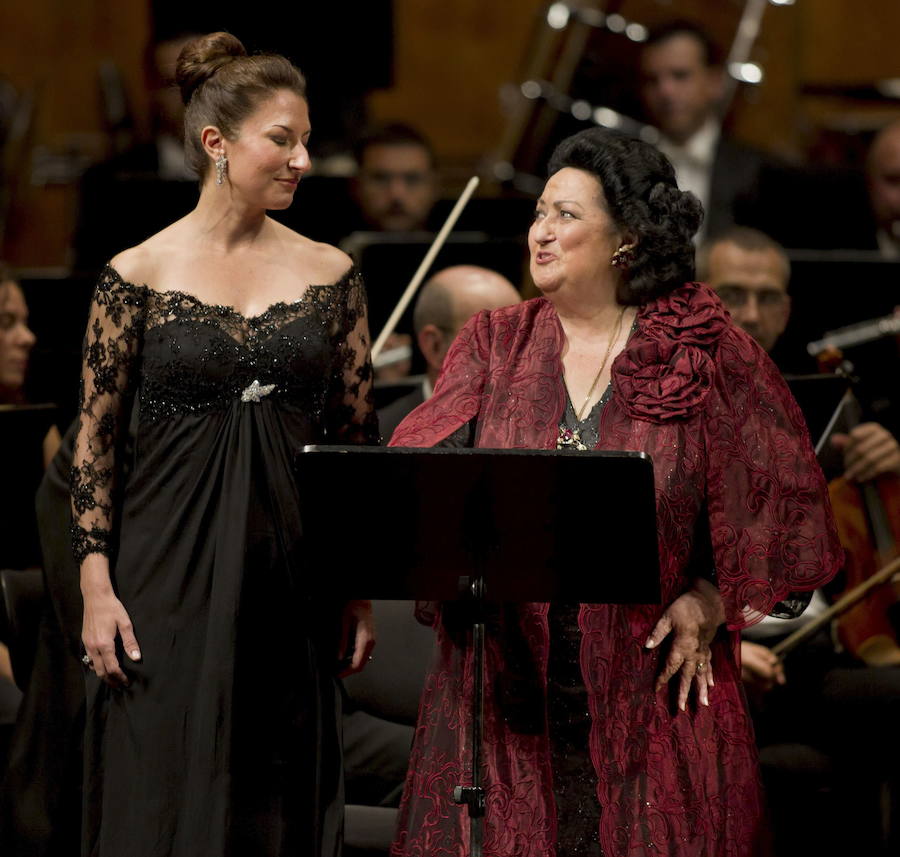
(643, 198)
(221, 85)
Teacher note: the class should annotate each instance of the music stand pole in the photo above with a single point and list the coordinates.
(473, 796)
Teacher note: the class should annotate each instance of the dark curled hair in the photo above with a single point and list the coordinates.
(642, 197)
(221, 86)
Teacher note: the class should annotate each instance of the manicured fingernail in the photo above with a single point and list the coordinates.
(135, 654)
(681, 705)
(704, 699)
(649, 644)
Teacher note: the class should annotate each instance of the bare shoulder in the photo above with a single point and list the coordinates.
(131, 264)
(321, 264)
(140, 264)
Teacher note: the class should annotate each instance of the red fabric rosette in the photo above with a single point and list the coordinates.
(662, 379)
(692, 315)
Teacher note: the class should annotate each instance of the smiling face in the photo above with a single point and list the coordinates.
(573, 238)
(16, 341)
(268, 156)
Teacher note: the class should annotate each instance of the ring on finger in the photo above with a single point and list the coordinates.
(701, 665)
(87, 661)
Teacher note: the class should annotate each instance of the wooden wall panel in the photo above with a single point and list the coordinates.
(53, 49)
(848, 41)
(451, 59)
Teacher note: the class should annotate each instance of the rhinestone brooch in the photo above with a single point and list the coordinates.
(256, 391)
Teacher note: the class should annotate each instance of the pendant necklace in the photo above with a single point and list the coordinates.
(570, 438)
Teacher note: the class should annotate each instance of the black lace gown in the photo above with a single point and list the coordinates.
(226, 741)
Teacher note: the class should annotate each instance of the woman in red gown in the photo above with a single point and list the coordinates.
(588, 748)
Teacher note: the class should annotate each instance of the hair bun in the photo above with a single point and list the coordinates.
(201, 58)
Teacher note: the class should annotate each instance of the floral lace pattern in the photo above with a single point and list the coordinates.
(175, 355)
(726, 440)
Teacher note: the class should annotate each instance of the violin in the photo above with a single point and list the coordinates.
(867, 515)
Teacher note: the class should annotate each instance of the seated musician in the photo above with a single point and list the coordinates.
(447, 301)
(843, 703)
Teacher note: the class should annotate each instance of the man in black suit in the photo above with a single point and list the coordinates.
(682, 84)
(447, 301)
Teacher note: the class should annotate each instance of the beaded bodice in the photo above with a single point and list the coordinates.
(198, 357)
(177, 355)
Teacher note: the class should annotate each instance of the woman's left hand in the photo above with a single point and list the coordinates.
(357, 623)
(693, 618)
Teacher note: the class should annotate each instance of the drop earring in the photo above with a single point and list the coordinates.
(221, 169)
(623, 257)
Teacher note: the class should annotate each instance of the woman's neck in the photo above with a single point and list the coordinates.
(225, 221)
(587, 311)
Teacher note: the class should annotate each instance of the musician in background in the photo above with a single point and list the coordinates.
(16, 339)
(682, 86)
(447, 301)
(396, 184)
(395, 189)
(883, 182)
(750, 272)
(853, 697)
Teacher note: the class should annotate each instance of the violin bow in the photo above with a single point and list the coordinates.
(843, 604)
(422, 270)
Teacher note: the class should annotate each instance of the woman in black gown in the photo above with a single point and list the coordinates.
(220, 346)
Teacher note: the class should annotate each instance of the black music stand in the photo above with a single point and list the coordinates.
(480, 525)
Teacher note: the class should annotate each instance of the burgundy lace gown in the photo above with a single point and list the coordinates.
(732, 460)
(225, 742)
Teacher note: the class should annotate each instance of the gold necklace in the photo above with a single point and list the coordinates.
(572, 437)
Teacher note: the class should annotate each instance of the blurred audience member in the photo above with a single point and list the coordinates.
(883, 180)
(146, 181)
(18, 528)
(447, 301)
(682, 84)
(16, 340)
(842, 703)
(25, 449)
(396, 182)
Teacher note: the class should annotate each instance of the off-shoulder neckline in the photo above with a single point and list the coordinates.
(229, 308)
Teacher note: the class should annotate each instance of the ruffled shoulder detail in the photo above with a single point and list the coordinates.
(668, 368)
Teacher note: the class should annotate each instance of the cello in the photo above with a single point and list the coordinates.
(867, 516)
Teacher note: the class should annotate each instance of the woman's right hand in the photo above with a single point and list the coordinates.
(104, 618)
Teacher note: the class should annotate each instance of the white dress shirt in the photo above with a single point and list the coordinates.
(693, 161)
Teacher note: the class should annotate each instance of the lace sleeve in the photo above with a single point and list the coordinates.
(111, 345)
(351, 409)
(770, 520)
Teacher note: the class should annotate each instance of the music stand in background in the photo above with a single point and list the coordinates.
(480, 526)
